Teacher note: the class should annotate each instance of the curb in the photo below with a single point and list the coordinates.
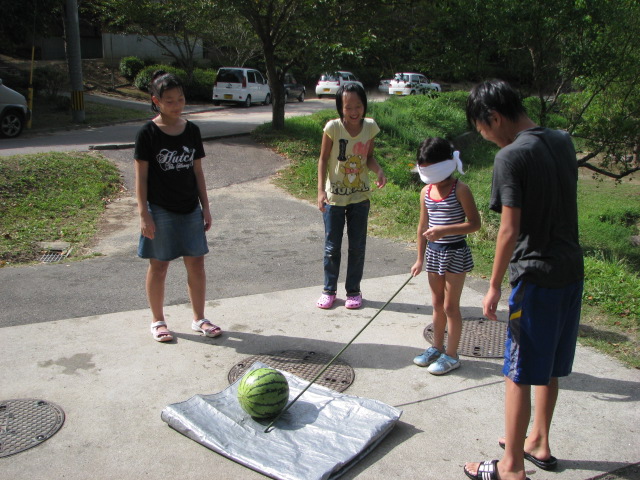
(121, 146)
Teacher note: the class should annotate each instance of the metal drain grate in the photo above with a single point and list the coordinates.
(54, 256)
(26, 423)
(339, 376)
(480, 337)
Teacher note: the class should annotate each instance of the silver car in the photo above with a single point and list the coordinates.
(329, 83)
(412, 84)
(14, 113)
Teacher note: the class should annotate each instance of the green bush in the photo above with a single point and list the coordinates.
(144, 76)
(48, 80)
(130, 66)
(201, 85)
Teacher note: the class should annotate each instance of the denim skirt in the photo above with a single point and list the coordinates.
(177, 235)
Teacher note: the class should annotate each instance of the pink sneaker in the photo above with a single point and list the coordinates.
(353, 301)
(325, 301)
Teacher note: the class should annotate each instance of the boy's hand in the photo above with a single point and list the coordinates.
(490, 303)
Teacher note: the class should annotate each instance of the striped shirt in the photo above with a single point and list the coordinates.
(446, 211)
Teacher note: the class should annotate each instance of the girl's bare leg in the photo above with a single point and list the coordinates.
(454, 282)
(197, 284)
(156, 277)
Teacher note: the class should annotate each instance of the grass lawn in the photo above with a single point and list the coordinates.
(56, 114)
(52, 197)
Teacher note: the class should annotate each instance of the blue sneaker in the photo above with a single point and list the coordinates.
(443, 365)
(426, 358)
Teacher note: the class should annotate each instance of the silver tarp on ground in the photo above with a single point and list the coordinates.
(321, 436)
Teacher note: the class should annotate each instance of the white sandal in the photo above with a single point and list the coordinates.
(212, 331)
(160, 336)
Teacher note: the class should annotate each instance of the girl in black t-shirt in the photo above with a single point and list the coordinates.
(172, 202)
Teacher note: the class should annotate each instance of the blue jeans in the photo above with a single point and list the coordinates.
(356, 216)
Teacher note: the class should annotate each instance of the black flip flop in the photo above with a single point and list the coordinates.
(549, 464)
(487, 470)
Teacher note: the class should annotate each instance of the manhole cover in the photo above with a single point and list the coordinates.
(480, 337)
(339, 376)
(26, 423)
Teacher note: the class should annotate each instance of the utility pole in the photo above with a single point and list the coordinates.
(74, 60)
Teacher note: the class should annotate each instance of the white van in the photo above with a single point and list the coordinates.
(14, 113)
(243, 86)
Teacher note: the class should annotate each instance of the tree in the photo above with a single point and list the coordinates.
(21, 21)
(554, 47)
(294, 32)
(176, 26)
(605, 114)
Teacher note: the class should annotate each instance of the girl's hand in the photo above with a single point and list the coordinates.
(382, 180)
(207, 220)
(433, 234)
(417, 268)
(147, 226)
(322, 200)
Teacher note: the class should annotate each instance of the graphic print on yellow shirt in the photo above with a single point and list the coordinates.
(348, 175)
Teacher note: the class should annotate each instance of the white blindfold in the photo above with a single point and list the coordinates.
(440, 171)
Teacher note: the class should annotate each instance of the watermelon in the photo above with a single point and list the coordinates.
(263, 392)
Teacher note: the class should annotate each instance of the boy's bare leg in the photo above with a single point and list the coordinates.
(537, 443)
(517, 415)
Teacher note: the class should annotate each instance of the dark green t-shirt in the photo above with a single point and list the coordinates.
(538, 173)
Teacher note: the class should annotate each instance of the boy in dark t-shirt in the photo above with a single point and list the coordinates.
(535, 191)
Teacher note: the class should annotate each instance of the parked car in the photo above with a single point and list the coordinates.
(292, 89)
(329, 83)
(383, 86)
(14, 113)
(243, 86)
(411, 84)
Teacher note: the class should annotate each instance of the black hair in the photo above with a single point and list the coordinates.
(350, 87)
(160, 82)
(493, 96)
(434, 150)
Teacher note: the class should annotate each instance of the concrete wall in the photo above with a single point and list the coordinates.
(114, 47)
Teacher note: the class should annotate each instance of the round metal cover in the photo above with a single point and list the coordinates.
(26, 423)
(480, 337)
(307, 365)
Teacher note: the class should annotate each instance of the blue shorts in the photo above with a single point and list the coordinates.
(542, 332)
(177, 235)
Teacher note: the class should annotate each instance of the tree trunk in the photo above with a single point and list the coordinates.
(277, 90)
(74, 60)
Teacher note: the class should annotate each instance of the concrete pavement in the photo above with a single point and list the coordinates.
(112, 380)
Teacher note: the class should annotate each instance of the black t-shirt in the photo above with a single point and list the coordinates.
(172, 180)
(538, 173)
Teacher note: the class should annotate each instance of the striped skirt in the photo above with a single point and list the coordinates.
(441, 258)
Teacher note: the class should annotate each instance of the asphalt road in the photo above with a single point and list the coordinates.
(262, 241)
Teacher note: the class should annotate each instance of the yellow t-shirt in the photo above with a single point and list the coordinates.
(348, 175)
